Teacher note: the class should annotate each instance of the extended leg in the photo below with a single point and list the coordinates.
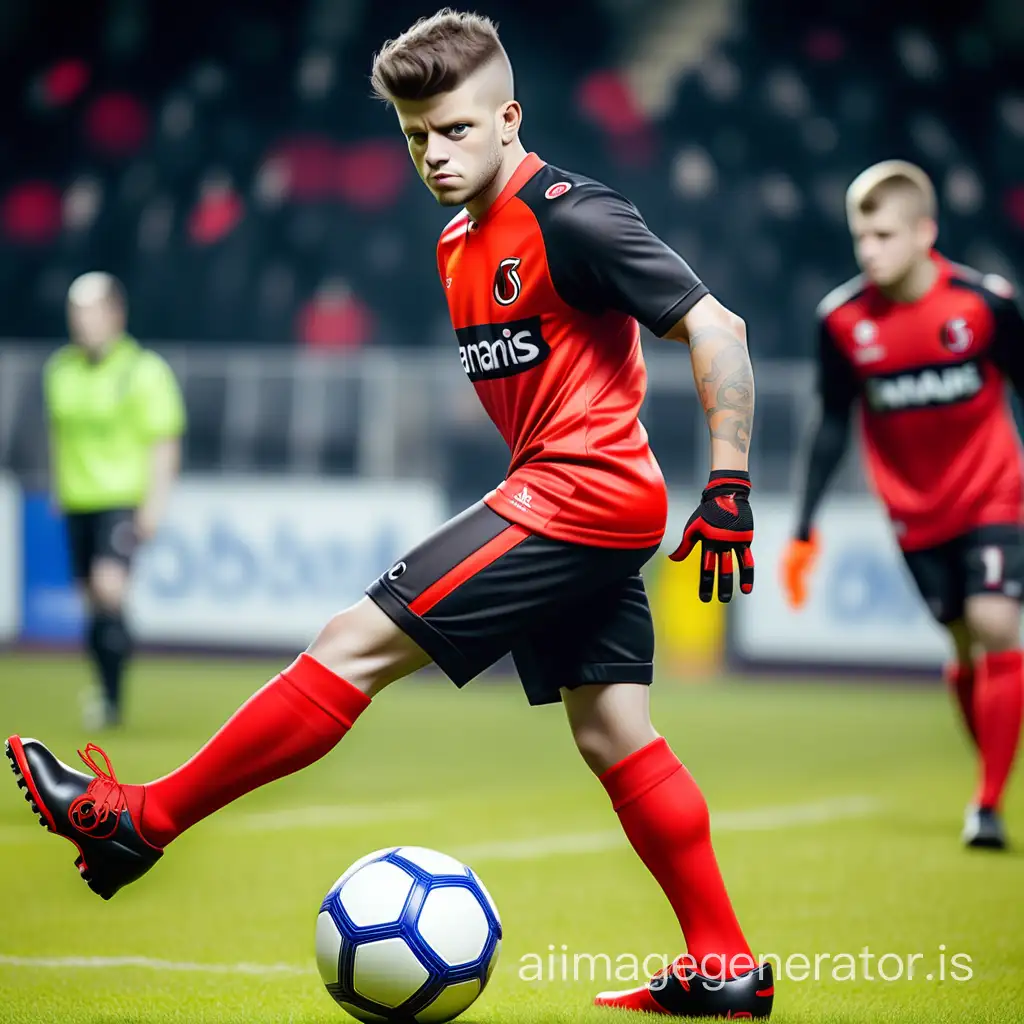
(298, 717)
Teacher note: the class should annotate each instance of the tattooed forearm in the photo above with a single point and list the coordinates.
(725, 381)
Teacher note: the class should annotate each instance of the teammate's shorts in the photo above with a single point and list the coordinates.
(109, 533)
(987, 560)
(482, 587)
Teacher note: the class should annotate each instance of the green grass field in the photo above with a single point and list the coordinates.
(836, 812)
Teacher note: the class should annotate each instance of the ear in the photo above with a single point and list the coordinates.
(511, 120)
(928, 232)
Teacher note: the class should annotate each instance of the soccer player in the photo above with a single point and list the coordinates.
(546, 274)
(925, 347)
(115, 420)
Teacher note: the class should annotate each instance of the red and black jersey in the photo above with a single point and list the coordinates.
(939, 436)
(545, 294)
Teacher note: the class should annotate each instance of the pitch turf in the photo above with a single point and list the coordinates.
(838, 809)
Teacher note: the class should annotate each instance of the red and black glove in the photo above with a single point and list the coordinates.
(723, 524)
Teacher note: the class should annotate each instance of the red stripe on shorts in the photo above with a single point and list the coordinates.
(467, 568)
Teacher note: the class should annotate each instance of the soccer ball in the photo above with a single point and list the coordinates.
(407, 934)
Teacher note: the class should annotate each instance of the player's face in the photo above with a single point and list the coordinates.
(890, 240)
(454, 141)
(92, 325)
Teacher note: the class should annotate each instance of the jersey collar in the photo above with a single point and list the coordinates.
(528, 167)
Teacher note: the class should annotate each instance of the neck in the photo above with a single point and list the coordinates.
(914, 284)
(95, 355)
(513, 156)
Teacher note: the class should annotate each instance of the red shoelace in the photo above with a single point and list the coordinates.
(101, 804)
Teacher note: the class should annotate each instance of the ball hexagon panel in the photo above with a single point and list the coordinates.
(450, 1002)
(454, 924)
(376, 855)
(360, 1014)
(376, 894)
(432, 861)
(490, 900)
(387, 972)
(328, 948)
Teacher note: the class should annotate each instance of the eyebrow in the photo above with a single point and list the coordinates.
(412, 129)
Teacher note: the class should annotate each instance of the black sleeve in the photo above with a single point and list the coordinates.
(837, 388)
(603, 256)
(1008, 341)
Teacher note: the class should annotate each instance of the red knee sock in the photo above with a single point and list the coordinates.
(665, 817)
(960, 678)
(998, 704)
(291, 722)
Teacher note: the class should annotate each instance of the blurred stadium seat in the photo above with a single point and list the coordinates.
(226, 159)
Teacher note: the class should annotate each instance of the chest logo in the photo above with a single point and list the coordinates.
(507, 283)
(930, 386)
(495, 351)
(865, 332)
(956, 336)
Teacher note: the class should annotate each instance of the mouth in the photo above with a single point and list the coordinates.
(442, 179)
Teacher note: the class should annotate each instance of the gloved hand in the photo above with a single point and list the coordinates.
(797, 564)
(723, 523)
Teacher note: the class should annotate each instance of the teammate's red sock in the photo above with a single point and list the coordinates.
(960, 678)
(998, 705)
(665, 817)
(294, 720)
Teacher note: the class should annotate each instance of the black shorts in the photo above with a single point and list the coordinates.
(482, 587)
(108, 533)
(988, 560)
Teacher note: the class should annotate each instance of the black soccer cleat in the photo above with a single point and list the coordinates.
(89, 812)
(983, 829)
(679, 991)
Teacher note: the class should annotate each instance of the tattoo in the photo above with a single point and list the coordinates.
(726, 386)
(707, 333)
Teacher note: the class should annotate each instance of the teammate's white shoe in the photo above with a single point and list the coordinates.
(983, 828)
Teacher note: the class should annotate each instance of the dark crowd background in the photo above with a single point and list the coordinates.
(226, 159)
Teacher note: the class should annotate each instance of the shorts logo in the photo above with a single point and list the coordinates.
(929, 386)
(956, 335)
(396, 571)
(494, 351)
(558, 189)
(507, 285)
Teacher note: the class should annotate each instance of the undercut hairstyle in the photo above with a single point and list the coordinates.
(892, 178)
(435, 56)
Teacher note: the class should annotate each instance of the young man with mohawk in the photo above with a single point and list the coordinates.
(547, 274)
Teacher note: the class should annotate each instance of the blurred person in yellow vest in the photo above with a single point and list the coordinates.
(116, 417)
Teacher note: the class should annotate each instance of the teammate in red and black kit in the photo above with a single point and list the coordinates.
(927, 346)
(546, 274)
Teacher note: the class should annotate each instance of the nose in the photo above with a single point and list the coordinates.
(436, 155)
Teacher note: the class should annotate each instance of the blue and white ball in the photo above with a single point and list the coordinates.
(407, 934)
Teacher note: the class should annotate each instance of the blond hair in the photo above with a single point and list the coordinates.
(436, 55)
(892, 178)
